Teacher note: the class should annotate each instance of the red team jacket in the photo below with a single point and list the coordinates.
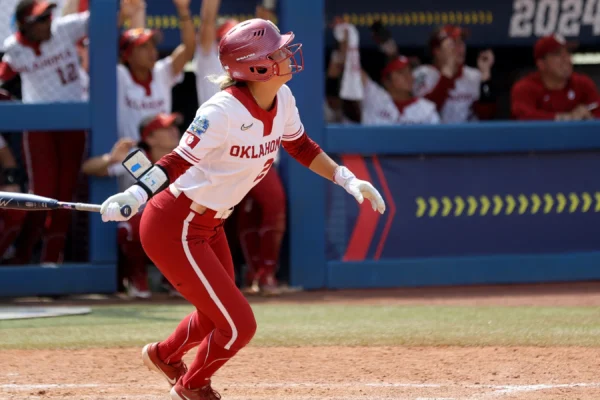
(530, 100)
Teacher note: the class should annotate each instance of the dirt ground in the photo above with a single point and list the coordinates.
(340, 373)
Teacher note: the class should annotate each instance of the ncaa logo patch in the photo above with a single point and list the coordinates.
(199, 125)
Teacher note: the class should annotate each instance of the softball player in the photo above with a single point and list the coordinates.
(144, 84)
(229, 147)
(43, 51)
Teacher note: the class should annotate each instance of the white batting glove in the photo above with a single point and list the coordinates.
(358, 188)
(133, 197)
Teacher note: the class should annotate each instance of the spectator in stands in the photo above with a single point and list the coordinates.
(131, 11)
(43, 52)
(159, 136)
(395, 104)
(391, 104)
(11, 180)
(461, 93)
(145, 83)
(554, 91)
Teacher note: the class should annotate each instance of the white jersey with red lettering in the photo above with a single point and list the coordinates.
(52, 73)
(378, 108)
(138, 100)
(207, 64)
(230, 150)
(457, 107)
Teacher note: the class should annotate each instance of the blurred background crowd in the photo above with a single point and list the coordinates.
(374, 79)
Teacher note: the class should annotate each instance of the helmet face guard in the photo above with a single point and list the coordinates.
(292, 52)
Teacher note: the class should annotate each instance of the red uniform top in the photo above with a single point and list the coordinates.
(531, 100)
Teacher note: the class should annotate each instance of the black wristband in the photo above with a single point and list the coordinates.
(486, 92)
(149, 180)
(11, 176)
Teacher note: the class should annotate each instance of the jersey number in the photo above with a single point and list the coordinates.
(68, 74)
(265, 169)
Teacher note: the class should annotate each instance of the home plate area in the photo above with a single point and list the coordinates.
(328, 373)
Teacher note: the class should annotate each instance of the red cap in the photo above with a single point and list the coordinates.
(395, 65)
(446, 31)
(159, 121)
(28, 11)
(136, 37)
(548, 44)
(225, 27)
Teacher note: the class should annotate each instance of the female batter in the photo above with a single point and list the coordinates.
(227, 150)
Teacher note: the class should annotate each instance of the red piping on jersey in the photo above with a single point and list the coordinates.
(242, 93)
(303, 149)
(35, 46)
(145, 84)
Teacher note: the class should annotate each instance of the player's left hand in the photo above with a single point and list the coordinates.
(360, 189)
(111, 208)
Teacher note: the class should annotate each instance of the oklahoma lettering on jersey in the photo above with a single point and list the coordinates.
(138, 100)
(378, 108)
(230, 150)
(52, 73)
(457, 107)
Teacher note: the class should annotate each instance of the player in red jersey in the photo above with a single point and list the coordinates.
(554, 91)
(229, 148)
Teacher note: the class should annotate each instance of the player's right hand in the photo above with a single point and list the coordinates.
(111, 208)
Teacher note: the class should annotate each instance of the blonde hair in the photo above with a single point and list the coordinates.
(224, 81)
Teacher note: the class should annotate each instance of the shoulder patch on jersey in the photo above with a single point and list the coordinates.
(199, 125)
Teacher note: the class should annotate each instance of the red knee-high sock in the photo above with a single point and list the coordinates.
(190, 332)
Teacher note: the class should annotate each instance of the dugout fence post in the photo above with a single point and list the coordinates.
(103, 33)
(307, 191)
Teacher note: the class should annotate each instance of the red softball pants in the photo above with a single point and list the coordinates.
(10, 226)
(53, 161)
(191, 251)
(261, 226)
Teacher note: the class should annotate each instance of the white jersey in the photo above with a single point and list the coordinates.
(52, 74)
(230, 147)
(457, 107)
(378, 108)
(207, 64)
(137, 101)
(85, 82)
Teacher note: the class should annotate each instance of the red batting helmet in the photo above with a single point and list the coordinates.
(246, 51)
